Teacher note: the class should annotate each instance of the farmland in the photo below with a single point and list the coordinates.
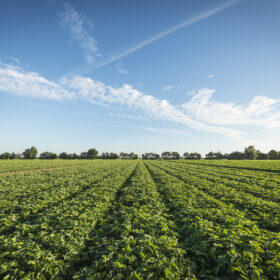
(135, 219)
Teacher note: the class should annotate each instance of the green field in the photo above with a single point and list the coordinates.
(134, 219)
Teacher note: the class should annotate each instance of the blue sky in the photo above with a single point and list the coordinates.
(139, 76)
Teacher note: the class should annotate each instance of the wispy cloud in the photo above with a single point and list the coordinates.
(76, 24)
(121, 69)
(261, 111)
(211, 76)
(200, 113)
(97, 92)
(16, 81)
(83, 70)
(166, 88)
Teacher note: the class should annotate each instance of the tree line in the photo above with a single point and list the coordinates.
(250, 153)
(32, 153)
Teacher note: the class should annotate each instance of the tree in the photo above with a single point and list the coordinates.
(226, 156)
(114, 156)
(273, 154)
(92, 153)
(236, 155)
(150, 156)
(48, 155)
(109, 156)
(33, 152)
(14, 156)
(195, 156)
(26, 154)
(210, 155)
(124, 155)
(175, 155)
(250, 153)
(262, 156)
(133, 156)
(128, 156)
(63, 155)
(186, 155)
(83, 155)
(5, 156)
(170, 155)
(70, 156)
(166, 155)
(219, 155)
(30, 153)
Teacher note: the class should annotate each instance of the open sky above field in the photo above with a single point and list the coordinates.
(141, 76)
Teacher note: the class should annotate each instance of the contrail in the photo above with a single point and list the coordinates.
(85, 69)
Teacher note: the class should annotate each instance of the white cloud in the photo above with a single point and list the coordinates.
(211, 76)
(166, 88)
(16, 81)
(261, 111)
(75, 23)
(97, 92)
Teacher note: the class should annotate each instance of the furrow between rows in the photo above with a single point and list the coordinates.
(47, 245)
(221, 242)
(265, 213)
(136, 240)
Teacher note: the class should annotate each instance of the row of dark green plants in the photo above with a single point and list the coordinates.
(249, 153)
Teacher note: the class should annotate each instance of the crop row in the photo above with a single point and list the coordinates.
(260, 178)
(221, 241)
(44, 244)
(265, 212)
(136, 240)
(21, 191)
(137, 220)
(25, 200)
(260, 165)
(17, 165)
